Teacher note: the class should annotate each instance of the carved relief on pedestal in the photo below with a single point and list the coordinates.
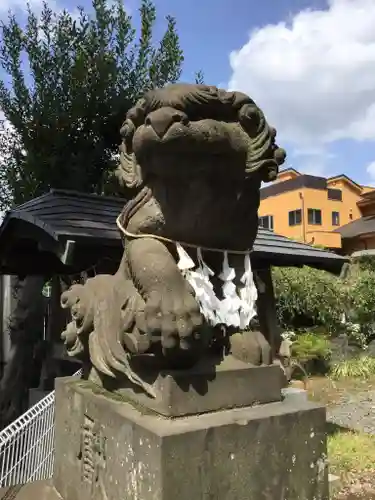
(92, 457)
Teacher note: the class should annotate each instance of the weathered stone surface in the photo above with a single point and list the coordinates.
(341, 349)
(272, 451)
(294, 394)
(37, 490)
(206, 387)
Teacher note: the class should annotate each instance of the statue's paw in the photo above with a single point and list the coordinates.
(78, 300)
(175, 316)
(72, 297)
(71, 339)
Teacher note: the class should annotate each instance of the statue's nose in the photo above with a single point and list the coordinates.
(162, 119)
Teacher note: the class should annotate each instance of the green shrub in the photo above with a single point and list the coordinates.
(361, 298)
(311, 345)
(307, 297)
(361, 367)
(365, 262)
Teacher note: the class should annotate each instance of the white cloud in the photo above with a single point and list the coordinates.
(20, 5)
(315, 75)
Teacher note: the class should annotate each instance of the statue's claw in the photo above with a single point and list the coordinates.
(174, 316)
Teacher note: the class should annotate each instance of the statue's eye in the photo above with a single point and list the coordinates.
(137, 114)
(249, 117)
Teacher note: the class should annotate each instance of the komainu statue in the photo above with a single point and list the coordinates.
(195, 157)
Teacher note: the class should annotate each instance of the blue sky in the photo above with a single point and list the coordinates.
(310, 64)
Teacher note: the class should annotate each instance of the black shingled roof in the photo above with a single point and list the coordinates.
(363, 225)
(69, 215)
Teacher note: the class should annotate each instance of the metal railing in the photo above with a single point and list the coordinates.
(27, 445)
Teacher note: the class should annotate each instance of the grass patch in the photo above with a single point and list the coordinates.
(362, 367)
(350, 453)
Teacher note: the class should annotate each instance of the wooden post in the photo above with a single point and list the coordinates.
(55, 325)
(266, 305)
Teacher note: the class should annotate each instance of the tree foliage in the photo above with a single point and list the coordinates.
(361, 298)
(69, 83)
(199, 77)
(308, 297)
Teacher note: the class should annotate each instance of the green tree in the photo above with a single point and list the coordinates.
(199, 77)
(72, 80)
(69, 82)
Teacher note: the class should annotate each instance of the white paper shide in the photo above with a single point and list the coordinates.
(238, 305)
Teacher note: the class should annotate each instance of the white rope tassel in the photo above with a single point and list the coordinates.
(248, 294)
(207, 271)
(230, 305)
(199, 279)
(185, 262)
(204, 290)
(238, 307)
(228, 273)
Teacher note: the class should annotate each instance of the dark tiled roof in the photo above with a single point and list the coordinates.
(364, 225)
(71, 215)
(68, 214)
(302, 181)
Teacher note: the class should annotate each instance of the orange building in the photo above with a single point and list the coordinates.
(358, 237)
(310, 208)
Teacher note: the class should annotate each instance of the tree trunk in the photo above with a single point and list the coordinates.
(25, 330)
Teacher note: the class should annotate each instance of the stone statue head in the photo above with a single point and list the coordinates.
(187, 130)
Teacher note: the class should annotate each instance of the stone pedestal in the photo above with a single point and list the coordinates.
(107, 449)
(211, 385)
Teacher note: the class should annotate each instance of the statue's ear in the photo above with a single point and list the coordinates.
(128, 172)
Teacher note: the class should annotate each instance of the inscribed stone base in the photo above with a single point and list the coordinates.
(109, 450)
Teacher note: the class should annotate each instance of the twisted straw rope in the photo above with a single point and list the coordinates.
(167, 240)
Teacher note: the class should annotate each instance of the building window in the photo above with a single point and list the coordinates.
(334, 194)
(335, 218)
(266, 222)
(295, 217)
(314, 216)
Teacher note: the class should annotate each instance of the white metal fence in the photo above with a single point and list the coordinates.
(27, 445)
